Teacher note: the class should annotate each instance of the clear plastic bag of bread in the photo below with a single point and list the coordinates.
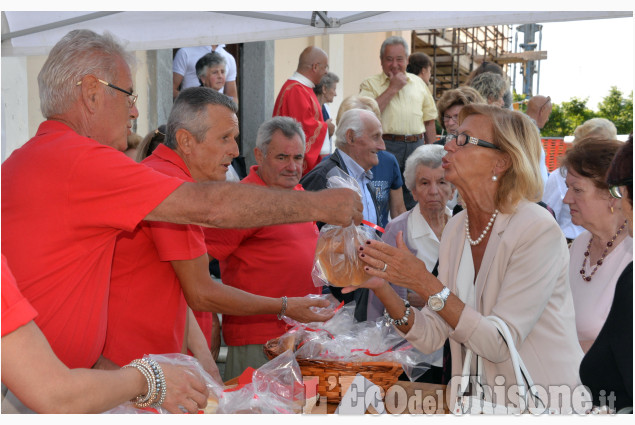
(275, 387)
(336, 261)
(215, 388)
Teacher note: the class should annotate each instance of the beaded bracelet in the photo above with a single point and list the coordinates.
(144, 368)
(160, 382)
(398, 322)
(284, 308)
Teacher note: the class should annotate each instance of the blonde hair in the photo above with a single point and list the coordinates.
(518, 137)
(134, 140)
(358, 102)
(150, 142)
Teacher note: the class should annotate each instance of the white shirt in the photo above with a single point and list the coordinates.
(185, 64)
(302, 79)
(421, 237)
(327, 146)
(555, 189)
(363, 178)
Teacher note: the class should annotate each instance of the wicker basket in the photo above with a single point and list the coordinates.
(329, 372)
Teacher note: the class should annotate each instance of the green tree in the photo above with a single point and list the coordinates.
(576, 112)
(558, 125)
(566, 117)
(520, 98)
(618, 109)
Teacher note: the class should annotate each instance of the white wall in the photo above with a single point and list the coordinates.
(15, 104)
(21, 114)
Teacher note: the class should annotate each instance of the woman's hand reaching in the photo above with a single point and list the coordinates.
(395, 265)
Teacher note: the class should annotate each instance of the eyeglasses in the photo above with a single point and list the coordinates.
(615, 191)
(454, 118)
(462, 139)
(132, 98)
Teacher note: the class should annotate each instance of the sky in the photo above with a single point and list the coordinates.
(584, 59)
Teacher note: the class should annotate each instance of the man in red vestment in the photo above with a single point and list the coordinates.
(297, 100)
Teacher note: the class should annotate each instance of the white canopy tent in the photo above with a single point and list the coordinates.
(30, 35)
(34, 32)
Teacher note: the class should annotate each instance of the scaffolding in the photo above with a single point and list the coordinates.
(456, 52)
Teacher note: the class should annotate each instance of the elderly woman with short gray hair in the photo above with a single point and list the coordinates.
(422, 227)
(492, 87)
(326, 90)
(210, 70)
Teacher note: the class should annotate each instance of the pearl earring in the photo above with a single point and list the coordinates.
(494, 178)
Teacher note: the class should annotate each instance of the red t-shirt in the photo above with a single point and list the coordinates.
(65, 198)
(16, 310)
(273, 261)
(298, 101)
(146, 307)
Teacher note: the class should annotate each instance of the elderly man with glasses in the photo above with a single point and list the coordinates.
(69, 192)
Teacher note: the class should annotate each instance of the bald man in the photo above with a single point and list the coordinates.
(297, 100)
(538, 109)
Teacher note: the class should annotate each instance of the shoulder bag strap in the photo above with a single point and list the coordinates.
(520, 370)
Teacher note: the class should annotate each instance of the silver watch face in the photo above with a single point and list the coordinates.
(436, 303)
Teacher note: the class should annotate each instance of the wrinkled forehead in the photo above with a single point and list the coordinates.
(395, 50)
(471, 122)
(217, 67)
(280, 143)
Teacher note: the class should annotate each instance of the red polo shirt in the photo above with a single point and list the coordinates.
(273, 261)
(65, 198)
(16, 310)
(146, 308)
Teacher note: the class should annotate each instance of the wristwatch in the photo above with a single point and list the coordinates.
(436, 302)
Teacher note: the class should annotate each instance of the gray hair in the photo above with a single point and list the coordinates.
(395, 39)
(350, 120)
(78, 54)
(490, 85)
(208, 60)
(190, 112)
(597, 127)
(287, 125)
(327, 81)
(428, 155)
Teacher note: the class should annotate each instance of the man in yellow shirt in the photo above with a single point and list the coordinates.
(407, 107)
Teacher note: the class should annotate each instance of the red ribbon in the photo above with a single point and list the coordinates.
(369, 353)
(374, 226)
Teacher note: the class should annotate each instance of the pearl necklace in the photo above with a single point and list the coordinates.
(609, 244)
(480, 238)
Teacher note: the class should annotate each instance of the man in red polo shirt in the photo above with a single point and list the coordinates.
(158, 262)
(271, 261)
(68, 193)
